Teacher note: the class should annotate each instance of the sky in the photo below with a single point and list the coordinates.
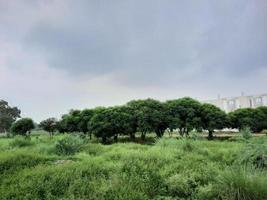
(56, 55)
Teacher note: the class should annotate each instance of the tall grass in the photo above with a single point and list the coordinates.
(170, 169)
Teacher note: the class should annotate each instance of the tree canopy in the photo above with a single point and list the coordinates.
(248, 117)
(22, 126)
(149, 115)
(184, 114)
(212, 118)
(8, 115)
(49, 125)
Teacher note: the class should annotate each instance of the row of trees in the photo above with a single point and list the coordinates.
(150, 115)
(142, 116)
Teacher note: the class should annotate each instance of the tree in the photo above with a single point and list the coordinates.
(101, 126)
(247, 117)
(84, 117)
(184, 114)
(123, 121)
(110, 122)
(212, 118)
(149, 115)
(22, 126)
(263, 123)
(130, 121)
(49, 125)
(7, 115)
(70, 121)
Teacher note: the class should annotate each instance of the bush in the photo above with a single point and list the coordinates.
(69, 145)
(20, 141)
(246, 133)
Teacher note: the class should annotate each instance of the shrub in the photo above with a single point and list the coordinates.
(20, 141)
(246, 133)
(69, 145)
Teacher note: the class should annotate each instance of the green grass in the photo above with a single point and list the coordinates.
(170, 169)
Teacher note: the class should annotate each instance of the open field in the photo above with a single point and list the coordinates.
(47, 168)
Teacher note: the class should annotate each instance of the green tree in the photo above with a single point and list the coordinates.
(69, 122)
(7, 115)
(263, 122)
(110, 122)
(84, 117)
(184, 114)
(130, 122)
(22, 126)
(149, 115)
(49, 125)
(247, 117)
(212, 118)
(101, 124)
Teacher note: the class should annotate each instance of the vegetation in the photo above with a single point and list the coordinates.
(151, 116)
(73, 164)
(49, 125)
(75, 167)
(7, 115)
(22, 126)
(212, 118)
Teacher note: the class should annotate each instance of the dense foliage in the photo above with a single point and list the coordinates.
(152, 116)
(49, 125)
(22, 126)
(7, 115)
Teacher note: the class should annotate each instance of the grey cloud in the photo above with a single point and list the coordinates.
(162, 49)
(154, 38)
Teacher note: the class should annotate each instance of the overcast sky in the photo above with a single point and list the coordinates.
(61, 54)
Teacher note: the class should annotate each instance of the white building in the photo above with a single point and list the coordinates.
(232, 103)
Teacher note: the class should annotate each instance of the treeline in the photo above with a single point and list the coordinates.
(149, 115)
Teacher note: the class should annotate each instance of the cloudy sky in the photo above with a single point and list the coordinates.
(61, 54)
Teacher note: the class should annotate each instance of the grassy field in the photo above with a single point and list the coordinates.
(68, 167)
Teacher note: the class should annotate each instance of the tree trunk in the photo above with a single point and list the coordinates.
(116, 138)
(132, 136)
(181, 131)
(143, 136)
(187, 132)
(104, 140)
(210, 137)
(158, 134)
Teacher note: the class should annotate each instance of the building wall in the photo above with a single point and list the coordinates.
(232, 103)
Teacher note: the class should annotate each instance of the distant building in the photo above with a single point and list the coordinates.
(232, 103)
